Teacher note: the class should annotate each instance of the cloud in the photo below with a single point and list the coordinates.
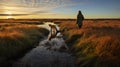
(27, 7)
(13, 14)
(32, 3)
(32, 13)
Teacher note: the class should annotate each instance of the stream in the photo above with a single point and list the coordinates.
(48, 53)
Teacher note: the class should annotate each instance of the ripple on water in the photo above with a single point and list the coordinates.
(41, 57)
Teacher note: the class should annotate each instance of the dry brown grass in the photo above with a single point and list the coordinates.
(97, 38)
(15, 31)
(15, 39)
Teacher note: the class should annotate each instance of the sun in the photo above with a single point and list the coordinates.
(9, 17)
(9, 13)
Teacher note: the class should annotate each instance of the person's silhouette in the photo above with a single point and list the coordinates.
(80, 19)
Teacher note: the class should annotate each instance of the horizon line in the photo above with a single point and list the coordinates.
(57, 18)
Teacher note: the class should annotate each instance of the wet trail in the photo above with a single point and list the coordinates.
(48, 54)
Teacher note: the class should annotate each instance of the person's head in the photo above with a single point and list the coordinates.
(79, 12)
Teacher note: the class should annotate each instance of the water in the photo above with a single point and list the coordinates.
(48, 54)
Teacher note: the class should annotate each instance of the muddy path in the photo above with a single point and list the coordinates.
(49, 53)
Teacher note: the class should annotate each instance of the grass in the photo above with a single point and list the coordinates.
(96, 44)
(15, 39)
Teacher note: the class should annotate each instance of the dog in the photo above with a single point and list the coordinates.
(53, 31)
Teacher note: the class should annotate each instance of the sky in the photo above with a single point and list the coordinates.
(23, 9)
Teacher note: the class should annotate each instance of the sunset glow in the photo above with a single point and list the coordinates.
(9, 14)
(59, 8)
(9, 17)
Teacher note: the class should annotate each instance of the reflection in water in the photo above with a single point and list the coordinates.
(47, 54)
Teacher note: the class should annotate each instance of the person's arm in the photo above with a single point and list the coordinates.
(82, 17)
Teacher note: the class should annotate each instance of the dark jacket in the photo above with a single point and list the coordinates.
(80, 18)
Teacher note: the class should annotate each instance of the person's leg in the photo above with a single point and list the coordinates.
(80, 26)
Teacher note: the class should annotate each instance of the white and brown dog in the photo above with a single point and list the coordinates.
(55, 40)
(53, 31)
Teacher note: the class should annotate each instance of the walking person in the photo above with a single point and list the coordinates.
(80, 19)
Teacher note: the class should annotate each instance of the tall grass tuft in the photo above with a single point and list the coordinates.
(96, 44)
